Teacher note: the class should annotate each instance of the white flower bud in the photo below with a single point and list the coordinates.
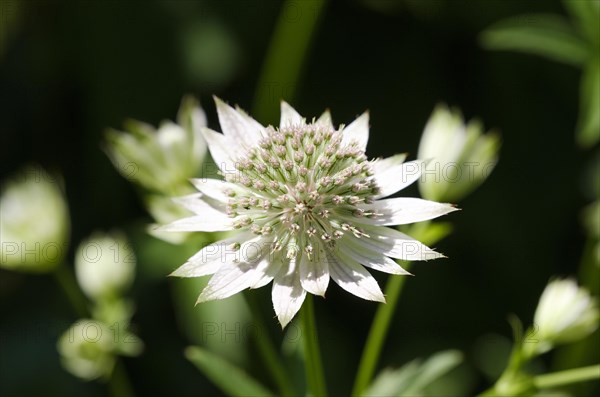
(104, 265)
(86, 350)
(565, 313)
(34, 222)
(161, 160)
(89, 347)
(460, 157)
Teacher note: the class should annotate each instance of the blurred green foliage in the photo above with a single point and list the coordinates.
(70, 69)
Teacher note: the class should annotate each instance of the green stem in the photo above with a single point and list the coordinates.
(65, 279)
(119, 384)
(268, 352)
(312, 359)
(377, 335)
(567, 377)
(429, 233)
(284, 59)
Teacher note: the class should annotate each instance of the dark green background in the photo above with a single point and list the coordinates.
(70, 69)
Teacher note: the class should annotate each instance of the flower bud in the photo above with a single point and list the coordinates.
(161, 160)
(565, 313)
(89, 347)
(104, 265)
(460, 157)
(86, 350)
(34, 222)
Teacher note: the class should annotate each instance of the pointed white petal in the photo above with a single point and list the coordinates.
(289, 116)
(204, 206)
(314, 274)
(238, 126)
(272, 268)
(392, 175)
(287, 294)
(200, 223)
(251, 123)
(211, 258)
(198, 267)
(373, 260)
(357, 131)
(215, 188)
(195, 203)
(261, 282)
(243, 268)
(392, 243)
(325, 120)
(222, 150)
(230, 279)
(403, 210)
(354, 278)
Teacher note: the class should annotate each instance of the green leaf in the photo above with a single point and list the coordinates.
(434, 368)
(550, 36)
(412, 378)
(587, 17)
(588, 126)
(230, 379)
(391, 382)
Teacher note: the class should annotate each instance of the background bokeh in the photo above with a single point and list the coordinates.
(70, 69)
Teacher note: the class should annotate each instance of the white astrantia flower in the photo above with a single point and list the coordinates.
(307, 206)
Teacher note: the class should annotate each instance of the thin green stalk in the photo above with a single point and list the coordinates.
(312, 359)
(567, 377)
(284, 59)
(269, 353)
(119, 384)
(429, 233)
(377, 335)
(66, 280)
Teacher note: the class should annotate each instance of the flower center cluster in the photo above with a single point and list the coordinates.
(302, 184)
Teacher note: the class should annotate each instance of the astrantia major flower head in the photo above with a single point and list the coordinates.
(305, 204)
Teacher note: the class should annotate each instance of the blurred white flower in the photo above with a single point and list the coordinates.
(565, 313)
(34, 222)
(88, 348)
(104, 265)
(305, 203)
(459, 156)
(161, 160)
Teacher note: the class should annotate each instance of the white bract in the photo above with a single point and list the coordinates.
(307, 206)
(161, 160)
(104, 265)
(34, 222)
(565, 313)
(459, 157)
